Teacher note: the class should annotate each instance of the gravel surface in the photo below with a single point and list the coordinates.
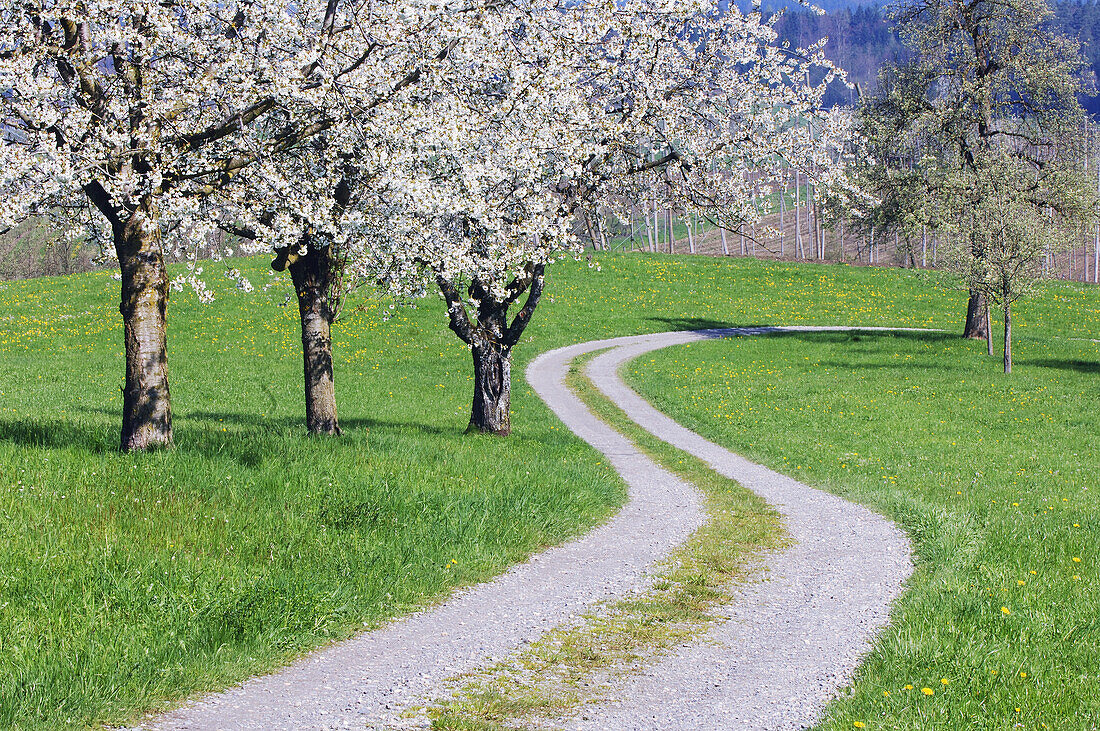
(792, 641)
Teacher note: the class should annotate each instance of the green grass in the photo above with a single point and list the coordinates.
(579, 663)
(994, 478)
(128, 581)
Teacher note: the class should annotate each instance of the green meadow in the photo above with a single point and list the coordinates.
(995, 479)
(128, 582)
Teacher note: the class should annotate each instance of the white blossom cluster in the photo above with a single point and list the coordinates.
(418, 138)
(142, 100)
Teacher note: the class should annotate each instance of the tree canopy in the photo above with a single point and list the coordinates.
(979, 135)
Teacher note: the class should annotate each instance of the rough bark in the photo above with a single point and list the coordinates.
(1008, 336)
(988, 330)
(312, 277)
(146, 403)
(975, 316)
(492, 388)
(491, 339)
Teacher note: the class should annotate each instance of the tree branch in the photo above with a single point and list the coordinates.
(523, 317)
(458, 319)
(101, 199)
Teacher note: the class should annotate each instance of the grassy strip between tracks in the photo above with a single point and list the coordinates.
(579, 664)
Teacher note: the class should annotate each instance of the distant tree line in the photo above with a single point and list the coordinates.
(862, 39)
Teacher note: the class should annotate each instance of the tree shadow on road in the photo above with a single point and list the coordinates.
(713, 328)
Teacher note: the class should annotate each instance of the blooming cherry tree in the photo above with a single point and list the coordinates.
(675, 97)
(120, 121)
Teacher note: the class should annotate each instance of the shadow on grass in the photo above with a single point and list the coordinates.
(57, 434)
(296, 426)
(198, 433)
(1081, 366)
(698, 323)
(103, 439)
(718, 328)
(856, 336)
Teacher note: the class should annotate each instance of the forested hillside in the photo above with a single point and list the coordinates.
(861, 39)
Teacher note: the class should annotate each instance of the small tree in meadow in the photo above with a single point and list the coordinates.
(1018, 217)
(984, 122)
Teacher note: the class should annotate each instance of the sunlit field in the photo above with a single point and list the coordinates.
(996, 480)
(129, 581)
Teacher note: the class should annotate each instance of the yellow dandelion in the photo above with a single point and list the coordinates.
(1006, 610)
(1076, 559)
(859, 724)
(1020, 582)
(908, 686)
(927, 691)
(1023, 674)
(886, 693)
(945, 681)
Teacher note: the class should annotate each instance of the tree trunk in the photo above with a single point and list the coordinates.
(988, 330)
(1096, 257)
(492, 356)
(491, 339)
(312, 277)
(798, 250)
(657, 228)
(146, 404)
(591, 231)
(1008, 336)
(975, 316)
(492, 388)
(782, 211)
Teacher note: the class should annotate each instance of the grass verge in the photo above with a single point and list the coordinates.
(579, 664)
(128, 581)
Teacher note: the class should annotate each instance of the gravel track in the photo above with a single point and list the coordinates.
(792, 639)
(367, 681)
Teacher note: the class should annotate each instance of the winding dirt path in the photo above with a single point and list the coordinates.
(792, 639)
